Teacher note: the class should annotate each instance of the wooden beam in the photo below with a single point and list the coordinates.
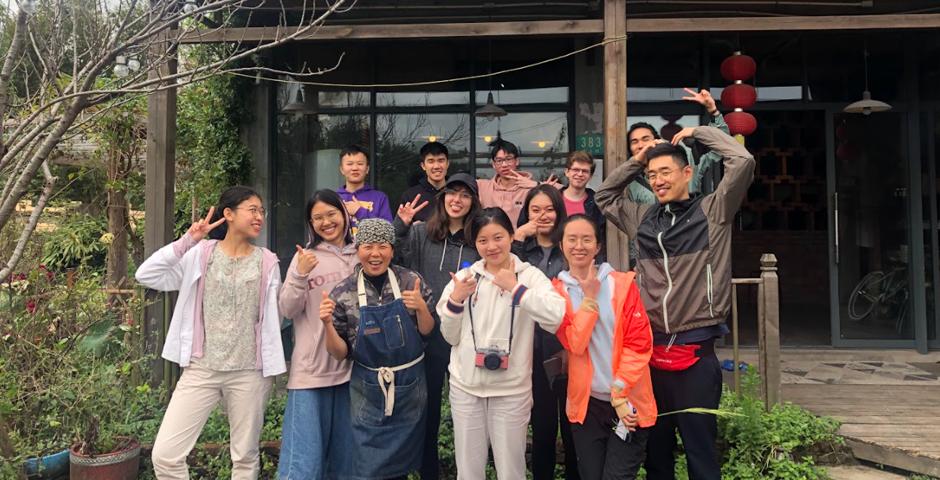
(569, 27)
(160, 173)
(375, 32)
(615, 116)
(779, 24)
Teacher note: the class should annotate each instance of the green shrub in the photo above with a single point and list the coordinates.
(77, 242)
(772, 445)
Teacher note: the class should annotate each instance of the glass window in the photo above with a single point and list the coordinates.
(400, 136)
(308, 149)
(335, 99)
(421, 99)
(542, 139)
(524, 96)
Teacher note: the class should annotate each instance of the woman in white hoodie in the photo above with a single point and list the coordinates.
(488, 314)
(225, 331)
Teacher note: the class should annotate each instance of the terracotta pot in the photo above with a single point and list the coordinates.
(120, 465)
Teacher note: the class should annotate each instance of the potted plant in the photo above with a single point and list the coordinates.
(110, 458)
(112, 412)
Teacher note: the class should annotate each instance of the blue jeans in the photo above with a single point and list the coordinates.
(317, 437)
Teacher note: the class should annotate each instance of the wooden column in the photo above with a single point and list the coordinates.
(768, 321)
(158, 203)
(615, 115)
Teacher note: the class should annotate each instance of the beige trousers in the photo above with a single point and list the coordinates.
(243, 395)
(483, 422)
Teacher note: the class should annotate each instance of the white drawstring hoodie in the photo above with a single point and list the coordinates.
(536, 301)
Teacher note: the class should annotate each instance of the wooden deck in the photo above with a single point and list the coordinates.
(888, 402)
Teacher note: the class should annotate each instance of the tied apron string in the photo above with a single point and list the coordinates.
(386, 379)
(385, 375)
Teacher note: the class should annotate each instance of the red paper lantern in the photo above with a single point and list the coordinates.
(842, 133)
(741, 123)
(669, 130)
(738, 95)
(847, 151)
(738, 67)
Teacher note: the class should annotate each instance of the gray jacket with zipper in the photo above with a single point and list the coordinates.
(435, 261)
(684, 248)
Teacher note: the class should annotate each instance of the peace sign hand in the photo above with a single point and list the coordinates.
(408, 210)
(463, 288)
(199, 229)
(413, 298)
(306, 260)
(520, 180)
(702, 97)
(591, 286)
(527, 230)
(553, 181)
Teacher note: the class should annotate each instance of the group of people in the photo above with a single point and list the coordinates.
(498, 285)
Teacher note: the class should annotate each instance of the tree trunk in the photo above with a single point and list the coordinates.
(118, 224)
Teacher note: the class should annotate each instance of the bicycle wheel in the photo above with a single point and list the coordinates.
(865, 296)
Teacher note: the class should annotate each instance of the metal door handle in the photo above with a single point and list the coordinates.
(835, 216)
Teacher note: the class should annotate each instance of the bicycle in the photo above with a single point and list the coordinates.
(884, 293)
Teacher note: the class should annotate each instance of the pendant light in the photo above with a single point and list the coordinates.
(299, 104)
(490, 110)
(866, 106)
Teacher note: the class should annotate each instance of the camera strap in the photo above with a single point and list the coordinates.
(512, 321)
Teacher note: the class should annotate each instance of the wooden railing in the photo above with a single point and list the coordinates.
(768, 329)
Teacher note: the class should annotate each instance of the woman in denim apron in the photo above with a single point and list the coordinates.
(378, 316)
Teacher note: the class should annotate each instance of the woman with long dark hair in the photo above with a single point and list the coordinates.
(536, 242)
(436, 250)
(317, 430)
(225, 331)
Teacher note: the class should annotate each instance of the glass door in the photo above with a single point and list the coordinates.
(871, 201)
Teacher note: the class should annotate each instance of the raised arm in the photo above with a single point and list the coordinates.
(739, 171)
(614, 199)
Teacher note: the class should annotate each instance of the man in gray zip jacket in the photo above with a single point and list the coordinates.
(684, 275)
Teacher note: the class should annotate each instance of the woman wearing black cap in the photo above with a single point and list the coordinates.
(437, 249)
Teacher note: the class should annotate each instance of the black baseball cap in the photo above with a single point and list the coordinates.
(463, 179)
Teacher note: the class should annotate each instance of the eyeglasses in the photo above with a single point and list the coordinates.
(255, 211)
(326, 216)
(503, 160)
(463, 195)
(583, 171)
(665, 173)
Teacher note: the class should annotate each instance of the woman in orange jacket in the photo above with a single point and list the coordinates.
(608, 335)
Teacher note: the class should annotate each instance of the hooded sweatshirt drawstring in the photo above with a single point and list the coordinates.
(440, 267)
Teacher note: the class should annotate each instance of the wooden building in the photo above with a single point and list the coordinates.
(837, 196)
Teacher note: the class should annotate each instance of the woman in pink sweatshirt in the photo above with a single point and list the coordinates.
(317, 427)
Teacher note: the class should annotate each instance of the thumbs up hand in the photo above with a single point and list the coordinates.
(306, 260)
(505, 279)
(413, 298)
(327, 305)
(352, 206)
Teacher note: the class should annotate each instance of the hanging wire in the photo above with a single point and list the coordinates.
(618, 38)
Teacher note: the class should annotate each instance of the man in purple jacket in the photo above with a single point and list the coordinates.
(362, 201)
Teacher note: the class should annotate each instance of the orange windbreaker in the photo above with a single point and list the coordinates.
(630, 362)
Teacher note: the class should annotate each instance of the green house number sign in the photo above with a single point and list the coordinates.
(591, 143)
